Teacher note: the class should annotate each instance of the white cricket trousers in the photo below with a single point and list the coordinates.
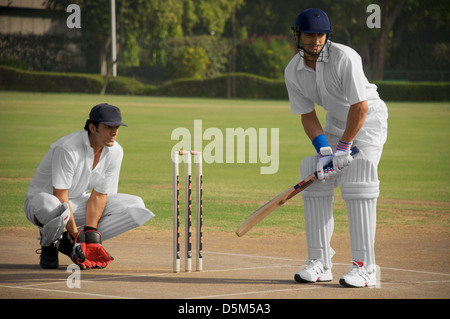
(122, 212)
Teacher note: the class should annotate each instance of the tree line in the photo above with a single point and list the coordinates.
(219, 36)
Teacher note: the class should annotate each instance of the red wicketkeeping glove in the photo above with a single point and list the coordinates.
(88, 251)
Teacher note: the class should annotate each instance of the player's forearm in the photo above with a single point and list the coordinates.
(355, 120)
(63, 196)
(311, 125)
(95, 207)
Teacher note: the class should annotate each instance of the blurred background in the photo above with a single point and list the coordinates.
(159, 41)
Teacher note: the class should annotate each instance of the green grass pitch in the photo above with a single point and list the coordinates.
(412, 169)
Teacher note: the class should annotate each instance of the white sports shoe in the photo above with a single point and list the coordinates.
(358, 277)
(313, 272)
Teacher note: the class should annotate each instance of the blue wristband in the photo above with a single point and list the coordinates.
(320, 141)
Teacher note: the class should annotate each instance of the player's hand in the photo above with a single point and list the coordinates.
(88, 251)
(326, 157)
(342, 156)
(342, 159)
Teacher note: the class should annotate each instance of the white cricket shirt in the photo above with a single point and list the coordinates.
(337, 83)
(68, 165)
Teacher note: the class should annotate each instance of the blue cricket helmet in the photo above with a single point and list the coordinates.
(312, 21)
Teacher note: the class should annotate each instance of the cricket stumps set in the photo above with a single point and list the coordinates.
(188, 210)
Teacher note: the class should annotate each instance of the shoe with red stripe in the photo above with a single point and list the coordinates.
(358, 277)
(314, 271)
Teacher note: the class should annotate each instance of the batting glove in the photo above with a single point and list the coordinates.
(343, 156)
(325, 172)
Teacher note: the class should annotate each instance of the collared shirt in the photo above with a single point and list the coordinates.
(68, 165)
(337, 83)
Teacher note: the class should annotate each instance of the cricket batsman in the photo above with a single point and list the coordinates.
(73, 197)
(331, 75)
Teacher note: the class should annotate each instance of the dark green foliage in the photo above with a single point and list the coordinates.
(247, 86)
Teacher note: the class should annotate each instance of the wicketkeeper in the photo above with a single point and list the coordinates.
(76, 185)
(331, 75)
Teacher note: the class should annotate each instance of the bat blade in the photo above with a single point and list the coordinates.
(262, 212)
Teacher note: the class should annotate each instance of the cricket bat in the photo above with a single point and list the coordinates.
(262, 212)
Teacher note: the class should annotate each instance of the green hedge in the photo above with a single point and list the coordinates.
(247, 86)
(414, 91)
(19, 80)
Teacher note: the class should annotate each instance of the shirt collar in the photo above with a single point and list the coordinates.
(86, 141)
(87, 144)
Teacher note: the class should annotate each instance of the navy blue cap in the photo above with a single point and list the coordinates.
(107, 114)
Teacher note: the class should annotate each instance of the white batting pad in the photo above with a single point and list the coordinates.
(360, 190)
(46, 211)
(43, 208)
(52, 230)
(319, 223)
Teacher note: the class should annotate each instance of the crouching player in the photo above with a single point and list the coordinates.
(76, 185)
